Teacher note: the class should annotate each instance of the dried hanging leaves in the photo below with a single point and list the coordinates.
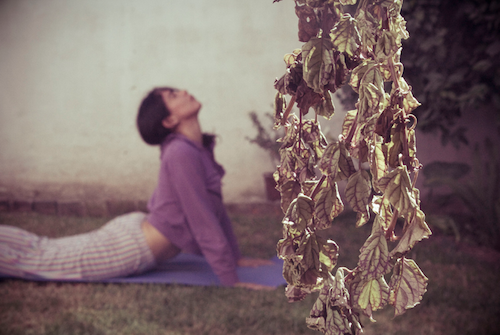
(362, 50)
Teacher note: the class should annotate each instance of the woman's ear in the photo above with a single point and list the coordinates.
(170, 122)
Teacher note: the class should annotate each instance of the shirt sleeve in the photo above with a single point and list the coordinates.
(185, 167)
(228, 228)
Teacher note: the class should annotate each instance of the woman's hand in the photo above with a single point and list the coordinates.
(255, 287)
(253, 262)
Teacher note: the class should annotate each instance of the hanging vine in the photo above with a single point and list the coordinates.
(375, 154)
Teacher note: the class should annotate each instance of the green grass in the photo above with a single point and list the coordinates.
(463, 294)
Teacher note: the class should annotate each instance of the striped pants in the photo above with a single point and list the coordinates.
(117, 249)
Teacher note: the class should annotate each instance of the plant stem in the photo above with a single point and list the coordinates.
(317, 188)
(389, 233)
(288, 110)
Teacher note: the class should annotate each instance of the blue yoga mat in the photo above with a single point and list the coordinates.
(191, 269)
(188, 269)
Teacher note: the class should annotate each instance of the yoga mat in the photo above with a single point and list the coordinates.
(189, 269)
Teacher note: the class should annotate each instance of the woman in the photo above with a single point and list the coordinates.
(185, 212)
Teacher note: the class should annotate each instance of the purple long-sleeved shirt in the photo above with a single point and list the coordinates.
(187, 206)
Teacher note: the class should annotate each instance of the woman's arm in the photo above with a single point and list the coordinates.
(186, 166)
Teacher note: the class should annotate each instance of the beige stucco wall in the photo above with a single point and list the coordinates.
(74, 72)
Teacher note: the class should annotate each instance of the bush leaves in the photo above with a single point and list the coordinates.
(408, 285)
(366, 47)
(318, 63)
(374, 258)
(397, 189)
(345, 36)
(359, 192)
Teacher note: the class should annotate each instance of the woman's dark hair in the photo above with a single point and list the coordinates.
(152, 111)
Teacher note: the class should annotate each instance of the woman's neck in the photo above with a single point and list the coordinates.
(191, 129)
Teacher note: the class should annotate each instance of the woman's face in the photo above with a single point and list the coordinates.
(180, 104)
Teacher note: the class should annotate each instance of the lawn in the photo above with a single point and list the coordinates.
(463, 294)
